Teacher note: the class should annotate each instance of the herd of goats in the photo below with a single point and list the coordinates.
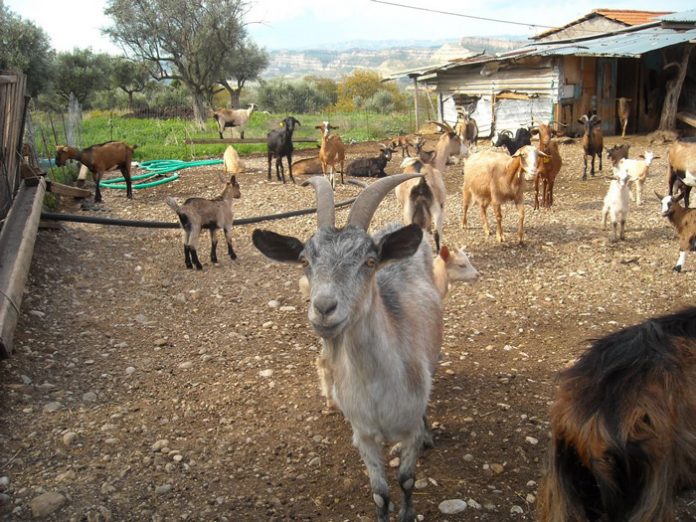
(623, 423)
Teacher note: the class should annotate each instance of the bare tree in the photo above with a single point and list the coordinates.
(185, 40)
(668, 119)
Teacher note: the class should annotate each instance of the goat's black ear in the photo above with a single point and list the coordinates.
(401, 243)
(297, 122)
(285, 249)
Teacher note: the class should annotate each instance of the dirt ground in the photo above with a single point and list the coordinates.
(140, 390)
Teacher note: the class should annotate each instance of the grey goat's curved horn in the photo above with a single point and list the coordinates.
(326, 211)
(369, 199)
(444, 126)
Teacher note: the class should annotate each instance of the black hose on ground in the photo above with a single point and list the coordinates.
(77, 218)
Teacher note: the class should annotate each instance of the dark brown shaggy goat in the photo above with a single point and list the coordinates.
(592, 141)
(624, 426)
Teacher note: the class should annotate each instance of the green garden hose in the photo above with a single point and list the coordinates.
(158, 169)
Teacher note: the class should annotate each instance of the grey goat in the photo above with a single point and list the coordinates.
(198, 213)
(374, 303)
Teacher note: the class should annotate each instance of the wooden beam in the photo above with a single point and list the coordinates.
(17, 240)
(687, 117)
(251, 141)
(67, 190)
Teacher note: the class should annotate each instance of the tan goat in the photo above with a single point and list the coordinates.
(307, 166)
(449, 144)
(332, 151)
(100, 158)
(624, 111)
(233, 164)
(492, 178)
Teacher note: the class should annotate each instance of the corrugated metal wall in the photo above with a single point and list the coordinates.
(540, 80)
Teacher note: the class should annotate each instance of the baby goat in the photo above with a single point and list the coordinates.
(452, 266)
(198, 213)
(624, 426)
(638, 171)
(374, 303)
(616, 202)
(100, 158)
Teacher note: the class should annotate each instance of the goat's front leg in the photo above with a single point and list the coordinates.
(371, 453)
(498, 211)
(592, 169)
(536, 193)
(290, 168)
(270, 162)
(326, 381)
(213, 245)
(228, 239)
(407, 475)
(600, 159)
(520, 222)
(584, 166)
(97, 192)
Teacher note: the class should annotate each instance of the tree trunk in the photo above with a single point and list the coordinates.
(199, 112)
(130, 101)
(668, 119)
(234, 95)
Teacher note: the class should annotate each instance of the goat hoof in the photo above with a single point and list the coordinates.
(677, 268)
(199, 267)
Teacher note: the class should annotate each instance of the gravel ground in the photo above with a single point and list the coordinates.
(140, 390)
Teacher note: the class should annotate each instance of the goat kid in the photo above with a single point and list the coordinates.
(100, 158)
(616, 202)
(371, 167)
(375, 305)
(638, 171)
(199, 213)
(624, 426)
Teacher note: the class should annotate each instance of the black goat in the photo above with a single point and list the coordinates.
(279, 143)
(371, 167)
(523, 136)
(624, 426)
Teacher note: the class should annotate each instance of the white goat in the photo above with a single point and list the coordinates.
(449, 267)
(428, 204)
(233, 118)
(375, 305)
(637, 171)
(616, 202)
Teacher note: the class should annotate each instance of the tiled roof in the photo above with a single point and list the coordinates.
(630, 17)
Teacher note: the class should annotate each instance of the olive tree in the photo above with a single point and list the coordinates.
(241, 65)
(25, 47)
(180, 39)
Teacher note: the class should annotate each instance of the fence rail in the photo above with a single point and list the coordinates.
(12, 111)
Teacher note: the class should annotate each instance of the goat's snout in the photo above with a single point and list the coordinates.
(325, 305)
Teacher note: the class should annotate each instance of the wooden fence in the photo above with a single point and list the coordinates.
(12, 112)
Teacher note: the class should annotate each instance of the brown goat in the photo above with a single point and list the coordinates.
(549, 167)
(199, 213)
(332, 151)
(623, 111)
(624, 426)
(307, 166)
(592, 141)
(403, 143)
(493, 177)
(617, 153)
(681, 164)
(100, 158)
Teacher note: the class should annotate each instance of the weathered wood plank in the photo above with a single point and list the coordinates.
(687, 117)
(67, 190)
(251, 141)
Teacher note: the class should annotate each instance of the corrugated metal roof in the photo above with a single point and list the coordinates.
(682, 16)
(626, 44)
(630, 16)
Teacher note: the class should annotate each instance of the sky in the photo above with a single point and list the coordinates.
(316, 24)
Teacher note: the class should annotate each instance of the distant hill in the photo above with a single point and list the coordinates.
(386, 57)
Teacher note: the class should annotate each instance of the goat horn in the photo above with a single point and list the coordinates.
(444, 126)
(369, 199)
(326, 212)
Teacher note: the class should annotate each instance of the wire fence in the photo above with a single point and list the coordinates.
(12, 111)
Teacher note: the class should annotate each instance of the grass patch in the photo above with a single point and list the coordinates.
(165, 139)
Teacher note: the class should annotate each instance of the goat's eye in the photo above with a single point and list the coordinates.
(371, 262)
